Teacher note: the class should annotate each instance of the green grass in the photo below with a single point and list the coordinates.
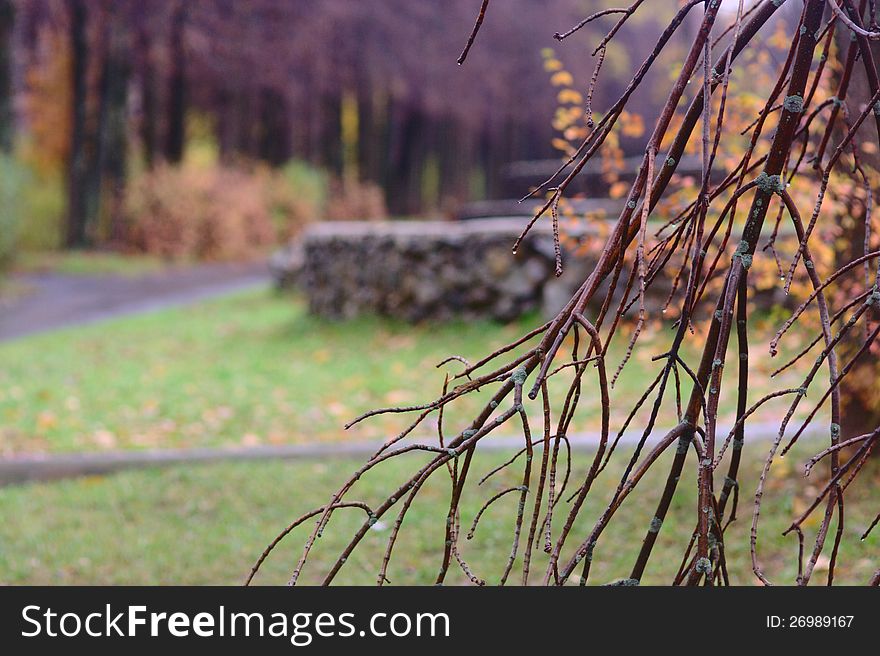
(87, 263)
(251, 368)
(255, 368)
(206, 525)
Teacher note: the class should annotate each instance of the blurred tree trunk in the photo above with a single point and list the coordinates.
(227, 125)
(274, 137)
(368, 136)
(454, 147)
(349, 136)
(176, 127)
(400, 131)
(330, 130)
(148, 125)
(7, 116)
(410, 131)
(244, 118)
(113, 127)
(382, 126)
(78, 171)
(313, 121)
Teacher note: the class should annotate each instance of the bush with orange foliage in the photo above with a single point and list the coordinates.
(353, 200)
(232, 213)
(210, 213)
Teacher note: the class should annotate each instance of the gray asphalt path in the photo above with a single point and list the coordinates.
(51, 300)
(37, 468)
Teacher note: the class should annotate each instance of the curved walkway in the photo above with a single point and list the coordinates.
(56, 300)
(49, 467)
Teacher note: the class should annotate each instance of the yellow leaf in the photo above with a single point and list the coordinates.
(561, 78)
(781, 469)
(575, 133)
(618, 189)
(570, 96)
(561, 144)
(46, 420)
(632, 124)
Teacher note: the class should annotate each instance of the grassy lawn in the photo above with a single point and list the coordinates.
(206, 525)
(254, 368)
(248, 369)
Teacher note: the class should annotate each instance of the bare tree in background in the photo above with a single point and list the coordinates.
(274, 81)
(797, 127)
(7, 19)
(80, 153)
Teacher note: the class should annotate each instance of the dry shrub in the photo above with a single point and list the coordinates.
(231, 213)
(293, 201)
(351, 200)
(209, 213)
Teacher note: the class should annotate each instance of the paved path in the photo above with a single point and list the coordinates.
(36, 468)
(55, 300)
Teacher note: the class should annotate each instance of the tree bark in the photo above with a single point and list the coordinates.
(274, 137)
(113, 127)
(78, 168)
(175, 135)
(148, 124)
(7, 116)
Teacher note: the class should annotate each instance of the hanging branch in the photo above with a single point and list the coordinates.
(797, 125)
(473, 36)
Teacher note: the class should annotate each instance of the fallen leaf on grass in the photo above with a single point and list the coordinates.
(46, 420)
(104, 439)
(398, 396)
(250, 439)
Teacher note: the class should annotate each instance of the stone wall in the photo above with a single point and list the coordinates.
(417, 270)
